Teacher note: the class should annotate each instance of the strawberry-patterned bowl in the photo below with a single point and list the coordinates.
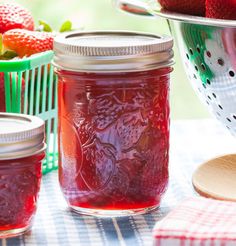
(208, 50)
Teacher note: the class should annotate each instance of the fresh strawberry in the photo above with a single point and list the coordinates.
(191, 7)
(2, 93)
(14, 16)
(26, 43)
(221, 9)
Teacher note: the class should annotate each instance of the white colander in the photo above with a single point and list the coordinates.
(208, 51)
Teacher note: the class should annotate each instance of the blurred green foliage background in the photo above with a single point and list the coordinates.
(101, 15)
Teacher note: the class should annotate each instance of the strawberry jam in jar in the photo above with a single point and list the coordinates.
(21, 153)
(113, 120)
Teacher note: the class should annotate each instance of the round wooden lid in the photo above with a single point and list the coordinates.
(217, 178)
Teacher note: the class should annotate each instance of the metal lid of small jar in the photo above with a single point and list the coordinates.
(112, 51)
(20, 136)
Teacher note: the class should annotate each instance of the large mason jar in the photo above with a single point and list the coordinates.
(113, 120)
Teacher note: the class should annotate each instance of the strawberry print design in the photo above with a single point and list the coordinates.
(100, 159)
(105, 110)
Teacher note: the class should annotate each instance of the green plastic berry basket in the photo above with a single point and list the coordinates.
(31, 88)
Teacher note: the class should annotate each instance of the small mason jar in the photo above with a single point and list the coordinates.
(21, 153)
(113, 120)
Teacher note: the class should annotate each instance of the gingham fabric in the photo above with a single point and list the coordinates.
(192, 142)
(198, 221)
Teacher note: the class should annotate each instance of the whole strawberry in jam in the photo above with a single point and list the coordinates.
(191, 7)
(26, 43)
(14, 16)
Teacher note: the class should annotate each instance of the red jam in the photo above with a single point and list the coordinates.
(19, 188)
(114, 138)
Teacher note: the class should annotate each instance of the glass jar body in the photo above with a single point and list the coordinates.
(19, 187)
(113, 140)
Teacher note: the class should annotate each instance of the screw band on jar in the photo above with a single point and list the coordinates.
(20, 136)
(139, 52)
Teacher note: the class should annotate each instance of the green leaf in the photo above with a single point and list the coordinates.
(66, 26)
(8, 55)
(46, 27)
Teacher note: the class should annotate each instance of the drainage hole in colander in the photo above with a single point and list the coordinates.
(191, 51)
(234, 116)
(231, 73)
(187, 56)
(229, 120)
(214, 95)
(204, 86)
(208, 54)
(203, 67)
(207, 102)
(194, 75)
(198, 50)
(208, 81)
(221, 62)
(228, 127)
(209, 97)
(218, 113)
(220, 106)
(196, 68)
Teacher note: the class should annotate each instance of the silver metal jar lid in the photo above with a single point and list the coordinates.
(20, 136)
(108, 51)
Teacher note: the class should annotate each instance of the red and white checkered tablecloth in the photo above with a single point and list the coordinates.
(198, 221)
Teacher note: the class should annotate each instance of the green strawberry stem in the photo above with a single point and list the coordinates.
(43, 26)
(66, 26)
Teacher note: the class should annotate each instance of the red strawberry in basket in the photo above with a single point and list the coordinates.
(221, 9)
(191, 7)
(14, 16)
(26, 43)
(2, 93)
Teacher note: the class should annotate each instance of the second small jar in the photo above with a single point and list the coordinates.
(22, 150)
(113, 120)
